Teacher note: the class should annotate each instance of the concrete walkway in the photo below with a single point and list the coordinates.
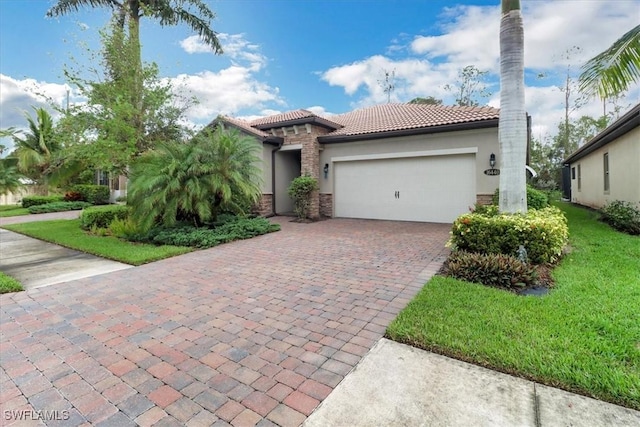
(39, 217)
(398, 385)
(36, 263)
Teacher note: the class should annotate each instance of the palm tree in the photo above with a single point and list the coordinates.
(612, 71)
(512, 130)
(194, 181)
(166, 12)
(9, 179)
(35, 149)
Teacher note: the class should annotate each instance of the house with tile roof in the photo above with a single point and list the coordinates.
(607, 168)
(409, 162)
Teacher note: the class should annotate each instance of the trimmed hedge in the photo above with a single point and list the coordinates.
(58, 207)
(536, 199)
(543, 233)
(40, 200)
(496, 270)
(102, 216)
(94, 194)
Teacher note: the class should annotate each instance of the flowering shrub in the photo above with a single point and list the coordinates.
(623, 216)
(542, 232)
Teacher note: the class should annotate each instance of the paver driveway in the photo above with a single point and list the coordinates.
(251, 332)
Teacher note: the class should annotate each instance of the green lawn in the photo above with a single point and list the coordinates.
(9, 284)
(583, 337)
(12, 210)
(68, 233)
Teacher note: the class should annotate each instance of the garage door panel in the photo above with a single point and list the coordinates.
(434, 189)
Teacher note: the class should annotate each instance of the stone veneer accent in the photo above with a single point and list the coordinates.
(307, 136)
(484, 199)
(264, 206)
(326, 205)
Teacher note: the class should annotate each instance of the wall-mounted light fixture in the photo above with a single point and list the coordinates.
(326, 170)
(492, 160)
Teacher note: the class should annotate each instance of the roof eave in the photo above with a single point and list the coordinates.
(268, 139)
(623, 125)
(476, 124)
(318, 121)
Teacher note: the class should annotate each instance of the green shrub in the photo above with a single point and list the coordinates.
(124, 228)
(536, 199)
(203, 237)
(58, 207)
(543, 233)
(40, 200)
(102, 216)
(496, 270)
(94, 194)
(300, 191)
(623, 216)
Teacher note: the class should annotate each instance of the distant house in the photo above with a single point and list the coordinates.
(408, 162)
(607, 168)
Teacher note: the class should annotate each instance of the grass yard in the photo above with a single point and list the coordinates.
(583, 337)
(12, 210)
(9, 284)
(68, 233)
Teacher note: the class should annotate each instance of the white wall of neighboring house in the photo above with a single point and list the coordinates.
(588, 186)
(16, 198)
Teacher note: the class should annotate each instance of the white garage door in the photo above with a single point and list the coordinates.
(429, 189)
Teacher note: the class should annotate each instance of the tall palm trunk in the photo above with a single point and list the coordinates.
(512, 132)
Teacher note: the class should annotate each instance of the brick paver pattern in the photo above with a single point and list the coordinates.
(255, 332)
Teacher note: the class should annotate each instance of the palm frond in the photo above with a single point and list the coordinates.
(612, 71)
(62, 7)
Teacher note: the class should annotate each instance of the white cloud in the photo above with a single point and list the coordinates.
(18, 96)
(235, 46)
(228, 91)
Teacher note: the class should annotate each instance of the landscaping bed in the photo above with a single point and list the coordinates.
(584, 336)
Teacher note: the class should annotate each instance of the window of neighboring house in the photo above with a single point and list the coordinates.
(579, 178)
(102, 178)
(606, 171)
(573, 172)
(115, 182)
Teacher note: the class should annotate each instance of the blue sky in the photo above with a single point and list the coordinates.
(328, 56)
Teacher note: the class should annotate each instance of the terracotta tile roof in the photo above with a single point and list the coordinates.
(372, 120)
(283, 117)
(392, 117)
(245, 126)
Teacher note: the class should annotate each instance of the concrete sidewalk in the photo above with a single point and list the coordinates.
(398, 385)
(36, 263)
(39, 217)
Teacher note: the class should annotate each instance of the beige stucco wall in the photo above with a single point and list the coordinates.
(624, 173)
(265, 165)
(287, 169)
(485, 140)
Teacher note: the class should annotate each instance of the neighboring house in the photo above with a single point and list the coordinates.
(28, 189)
(607, 168)
(408, 162)
(117, 184)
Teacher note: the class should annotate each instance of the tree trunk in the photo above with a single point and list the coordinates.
(512, 131)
